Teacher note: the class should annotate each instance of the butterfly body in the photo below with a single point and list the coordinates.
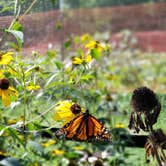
(84, 127)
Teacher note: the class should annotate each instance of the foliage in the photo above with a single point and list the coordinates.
(85, 70)
(7, 6)
(101, 3)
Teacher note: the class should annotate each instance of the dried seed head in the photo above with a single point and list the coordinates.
(98, 163)
(155, 142)
(158, 137)
(143, 99)
(4, 83)
(145, 109)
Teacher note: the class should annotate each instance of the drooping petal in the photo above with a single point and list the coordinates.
(6, 58)
(88, 59)
(13, 92)
(77, 60)
(6, 98)
(33, 87)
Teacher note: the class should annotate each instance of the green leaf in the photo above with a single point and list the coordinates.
(18, 35)
(2, 130)
(37, 147)
(9, 161)
(50, 79)
(51, 54)
(53, 2)
(17, 26)
(58, 64)
(87, 77)
(95, 53)
(68, 43)
(14, 45)
(72, 155)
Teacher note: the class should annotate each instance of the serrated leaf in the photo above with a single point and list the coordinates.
(9, 161)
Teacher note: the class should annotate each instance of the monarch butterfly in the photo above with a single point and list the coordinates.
(84, 127)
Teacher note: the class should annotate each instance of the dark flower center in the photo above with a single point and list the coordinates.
(144, 99)
(75, 108)
(4, 83)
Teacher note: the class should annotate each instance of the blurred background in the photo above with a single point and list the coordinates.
(146, 19)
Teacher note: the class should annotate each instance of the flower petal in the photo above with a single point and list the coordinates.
(6, 98)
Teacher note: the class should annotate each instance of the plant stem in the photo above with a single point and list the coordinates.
(24, 103)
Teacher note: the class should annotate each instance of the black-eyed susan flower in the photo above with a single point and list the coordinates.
(66, 111)
(84, 59)
(5, 58)
(94, 45)
(1, 74)
(7, 92)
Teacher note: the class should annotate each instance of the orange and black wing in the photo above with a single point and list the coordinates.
(84, 127)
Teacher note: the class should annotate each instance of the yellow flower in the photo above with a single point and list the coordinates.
(6, 92)
(57, 152)
(5, 58)
(48, 143)
(33, 87)
(78, 148)
(13, 72)
(83, 59)
(119, 125)
(66, 111)
(12, 121)
(86, 37)
(94, 45)
(1, 74)
(35, 164)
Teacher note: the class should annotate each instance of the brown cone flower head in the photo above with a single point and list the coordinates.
(75, 108)
(145, 109)
(4, 83)
(143, 99)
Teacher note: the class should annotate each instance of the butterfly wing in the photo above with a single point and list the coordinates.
(70, 129)
(97, 129)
